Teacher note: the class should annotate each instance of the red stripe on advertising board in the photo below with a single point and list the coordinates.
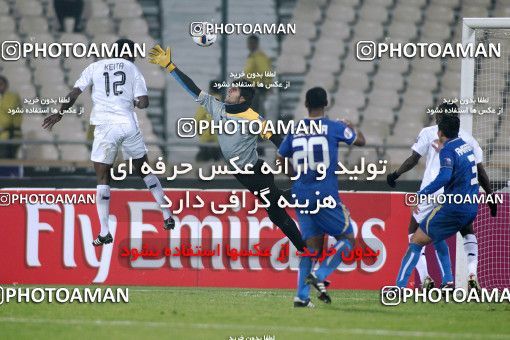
(51, 244)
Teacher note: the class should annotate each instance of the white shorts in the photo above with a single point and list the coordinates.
(109, 137)
(423, 210)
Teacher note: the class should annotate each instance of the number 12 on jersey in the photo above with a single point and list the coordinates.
(115, 84)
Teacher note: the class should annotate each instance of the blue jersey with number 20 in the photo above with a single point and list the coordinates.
(316, 150)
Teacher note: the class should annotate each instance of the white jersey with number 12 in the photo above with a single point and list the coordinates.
(115, 84)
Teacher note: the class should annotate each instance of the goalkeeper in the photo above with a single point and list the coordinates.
(237, 107)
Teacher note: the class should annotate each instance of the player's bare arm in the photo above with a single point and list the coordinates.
(142, 102)
(408, 164)
(444, 176)
(55, 118)
(483, 178)
(484, 181)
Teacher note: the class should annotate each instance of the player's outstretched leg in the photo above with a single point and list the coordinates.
(288, 226)
(343, 244)
(302, 298)
(306, 263)
(409, 261)
(154, 186)
(103, 203)
(332, 262)
(421, 266)
(103, 207)
(411, 257)
(471, 250)
(445, 265)
(259, 182)
(280, 217)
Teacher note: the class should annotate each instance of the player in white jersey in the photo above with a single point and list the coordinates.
(117, 88)
(427, 144)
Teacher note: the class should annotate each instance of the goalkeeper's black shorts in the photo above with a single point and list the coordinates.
(259, 181)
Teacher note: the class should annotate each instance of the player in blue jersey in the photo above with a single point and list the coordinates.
(458, 175)
(312, 151)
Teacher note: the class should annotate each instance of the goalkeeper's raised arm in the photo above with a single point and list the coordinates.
(237, 102)
(163, 58)
(239, 147)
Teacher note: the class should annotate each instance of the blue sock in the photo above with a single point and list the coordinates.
(331, 263)
(305, 268)
(408, 263)
(443, 257)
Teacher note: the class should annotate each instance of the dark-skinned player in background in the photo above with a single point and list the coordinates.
(428, 144)
(117, 88)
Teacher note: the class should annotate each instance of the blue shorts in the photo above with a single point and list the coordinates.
(333, 222)
(443, 222)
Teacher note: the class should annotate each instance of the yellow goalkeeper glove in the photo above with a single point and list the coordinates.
(161, 57)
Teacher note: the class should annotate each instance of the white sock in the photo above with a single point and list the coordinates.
(471, 249)
(156, 189)
(421, 266)
(103, 207)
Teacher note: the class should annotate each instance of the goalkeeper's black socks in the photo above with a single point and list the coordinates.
(287, 193)
(291, 230)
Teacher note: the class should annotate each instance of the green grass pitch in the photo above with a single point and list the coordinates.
(219, 313)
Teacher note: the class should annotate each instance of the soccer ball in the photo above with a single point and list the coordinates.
(205, 40)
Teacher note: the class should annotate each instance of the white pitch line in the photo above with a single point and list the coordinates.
(253, 293)
(244, 328)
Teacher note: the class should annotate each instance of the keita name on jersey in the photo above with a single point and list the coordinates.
(114, 66)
